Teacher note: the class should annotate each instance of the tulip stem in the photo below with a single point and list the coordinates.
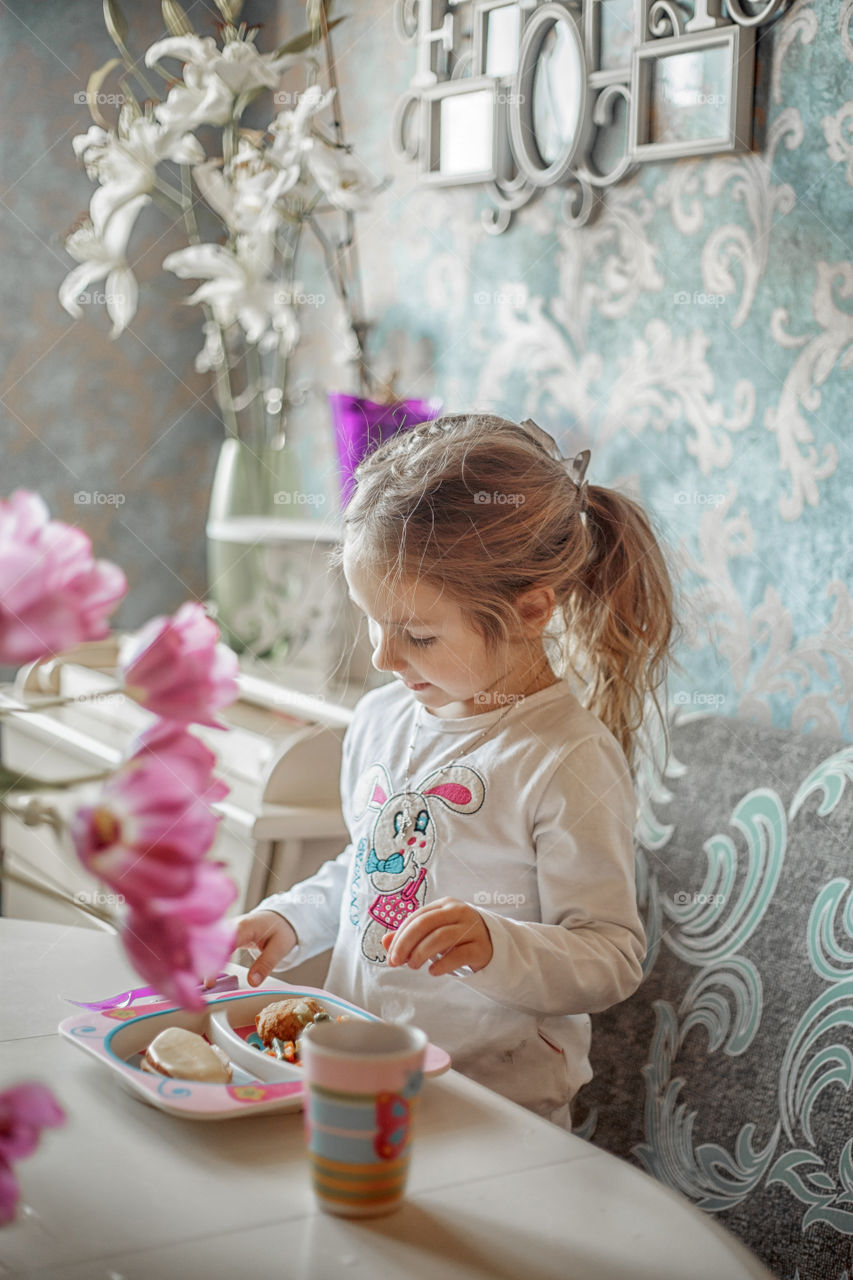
(58, 894)
(12, 780)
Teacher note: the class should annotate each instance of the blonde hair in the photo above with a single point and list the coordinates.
(475, 505)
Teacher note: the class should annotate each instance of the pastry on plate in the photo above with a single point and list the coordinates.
(287, 1019)
(183, 1055)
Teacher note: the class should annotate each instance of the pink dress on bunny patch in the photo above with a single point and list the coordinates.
(391, 909)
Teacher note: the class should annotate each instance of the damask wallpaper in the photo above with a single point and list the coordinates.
(698, 337)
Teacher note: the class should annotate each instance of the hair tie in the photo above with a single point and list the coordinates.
(575, 467)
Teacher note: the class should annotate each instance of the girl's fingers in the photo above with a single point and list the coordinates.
(418, 926)
(248, 931)
(436, 942)
(455, 959)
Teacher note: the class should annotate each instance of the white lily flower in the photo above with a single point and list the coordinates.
(191, 48)
(201, 99)
(213, 77)
(263, 195)
(125, 163)
(239, 288)
(212, 354)
(245, 195)
(92, 148)
(341, 176)
(290, 129)
(241, 67)
(102, 254)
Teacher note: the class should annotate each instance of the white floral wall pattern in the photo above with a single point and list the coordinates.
(698, 337)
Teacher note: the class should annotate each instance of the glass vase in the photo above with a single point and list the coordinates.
(275, 596)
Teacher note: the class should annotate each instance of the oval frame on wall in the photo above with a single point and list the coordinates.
(536, 170)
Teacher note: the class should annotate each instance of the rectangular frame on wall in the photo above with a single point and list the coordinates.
(732, 130)
(600, 75)
(436, 33)
(484, 10)
(489, 159)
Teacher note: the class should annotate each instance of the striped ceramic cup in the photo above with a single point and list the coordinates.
(361, 1082)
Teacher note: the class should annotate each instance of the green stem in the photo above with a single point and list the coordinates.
(354, 300)
(172, 193)
(280, 366)
(169, 207)
(253, 385)
(221, 384)
(357, 327)
(133, 70)
(12, 780)
(229, 142)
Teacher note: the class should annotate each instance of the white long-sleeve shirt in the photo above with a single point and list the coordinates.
(534, 828)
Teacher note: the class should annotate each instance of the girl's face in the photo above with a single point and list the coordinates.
(427, 643)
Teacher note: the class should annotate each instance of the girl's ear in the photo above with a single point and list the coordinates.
(535, 606)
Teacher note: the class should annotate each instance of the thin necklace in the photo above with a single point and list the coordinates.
(491, 728)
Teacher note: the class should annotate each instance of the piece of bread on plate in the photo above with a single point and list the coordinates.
(183, 1055)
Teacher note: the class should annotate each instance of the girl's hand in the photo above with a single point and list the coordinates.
(447, 932)
(269, 933)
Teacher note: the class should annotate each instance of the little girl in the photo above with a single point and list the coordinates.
(487, 892)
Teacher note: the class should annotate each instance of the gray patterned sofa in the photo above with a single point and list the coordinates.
(729, 1074)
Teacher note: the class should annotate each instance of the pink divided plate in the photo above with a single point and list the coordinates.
(118, 1038)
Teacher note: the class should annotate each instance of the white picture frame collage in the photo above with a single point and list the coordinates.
(513, 94)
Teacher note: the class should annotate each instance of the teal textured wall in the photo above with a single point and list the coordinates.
(698, 337)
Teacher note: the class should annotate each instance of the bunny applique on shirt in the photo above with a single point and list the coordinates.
(403, 841)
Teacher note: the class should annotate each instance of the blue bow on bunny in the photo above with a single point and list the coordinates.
(393, 864)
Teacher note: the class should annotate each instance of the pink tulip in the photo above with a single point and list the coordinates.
(25, 1110)
(151, 823)
(53, 594)
(177, 669)
(175, 943)
(186, 755)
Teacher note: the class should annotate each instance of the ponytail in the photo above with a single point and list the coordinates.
(620, 615)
